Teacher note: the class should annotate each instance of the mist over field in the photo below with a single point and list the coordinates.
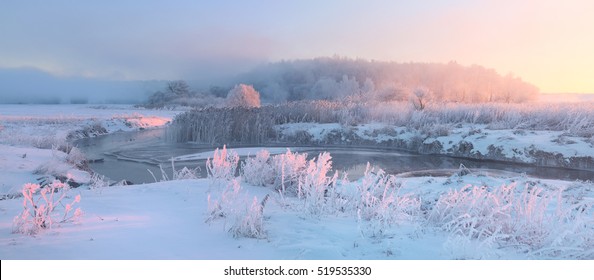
(332, 78)
(28, 85)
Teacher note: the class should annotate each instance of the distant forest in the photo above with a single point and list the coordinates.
(343, 79)
(336, 78)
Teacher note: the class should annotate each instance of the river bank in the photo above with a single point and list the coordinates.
(421, 216)
(36, 140)
(532, 147)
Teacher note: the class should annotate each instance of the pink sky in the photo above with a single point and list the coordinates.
(548, 43)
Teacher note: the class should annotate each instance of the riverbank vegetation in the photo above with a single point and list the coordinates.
(256, 125)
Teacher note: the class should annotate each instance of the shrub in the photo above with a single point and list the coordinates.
(222, 166)
(530, 219)
(314, 183)
(289, 169)
(292, 174)
(258, 170)
(379, 203)
(420, 97)
(182, 174)
(186, 173)
(247, 218)
(479, 213)
(77, 158)
(98, 181)
(222, 206)
(40, 210)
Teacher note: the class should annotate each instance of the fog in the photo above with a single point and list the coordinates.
(79, 50)
(310, 79)
(27, 85)
(566, 97)
(30, 85)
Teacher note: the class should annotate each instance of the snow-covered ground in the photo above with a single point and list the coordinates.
(458, 216)
(168, 220)
(46, 125)
(543, 148)
(34, 138)
(20, 165)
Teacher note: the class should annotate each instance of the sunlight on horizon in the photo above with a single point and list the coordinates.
(546, 43)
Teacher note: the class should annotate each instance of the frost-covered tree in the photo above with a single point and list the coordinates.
(243, 96)
(335, 78)
(389, 93)
(420, 97)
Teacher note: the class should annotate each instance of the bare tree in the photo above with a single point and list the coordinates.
(420, 97)
(178, 88)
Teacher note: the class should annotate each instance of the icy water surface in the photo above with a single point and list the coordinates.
(128, 155)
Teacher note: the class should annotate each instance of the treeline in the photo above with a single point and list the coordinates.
(362, 80)
(336, 78)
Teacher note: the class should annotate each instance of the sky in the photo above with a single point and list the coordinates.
(547, 43)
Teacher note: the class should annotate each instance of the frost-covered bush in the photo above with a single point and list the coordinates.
(282, 172)
(531, 219)
(291, 174)
(289, 170)
(315, 183)
(258, 170)
(186, 173)
(479, 213)
(232, 204)
(249, 221)
(98, 181)
(40, 205)
(420, 97)
(182, 174)
(379, 202)
(220, 205)
(76, 158)
(222, 166)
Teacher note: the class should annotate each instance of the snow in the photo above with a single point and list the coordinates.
(22, 165)
(168, 220)
(30, 136)
(47, 125)
(513, 144)
(367, 131)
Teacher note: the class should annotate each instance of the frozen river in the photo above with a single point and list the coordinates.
(128, 155)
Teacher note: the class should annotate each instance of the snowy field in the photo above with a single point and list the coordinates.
(175, 220)
(281, 207)
(167, 221)
(45, 125)
(34, 138)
